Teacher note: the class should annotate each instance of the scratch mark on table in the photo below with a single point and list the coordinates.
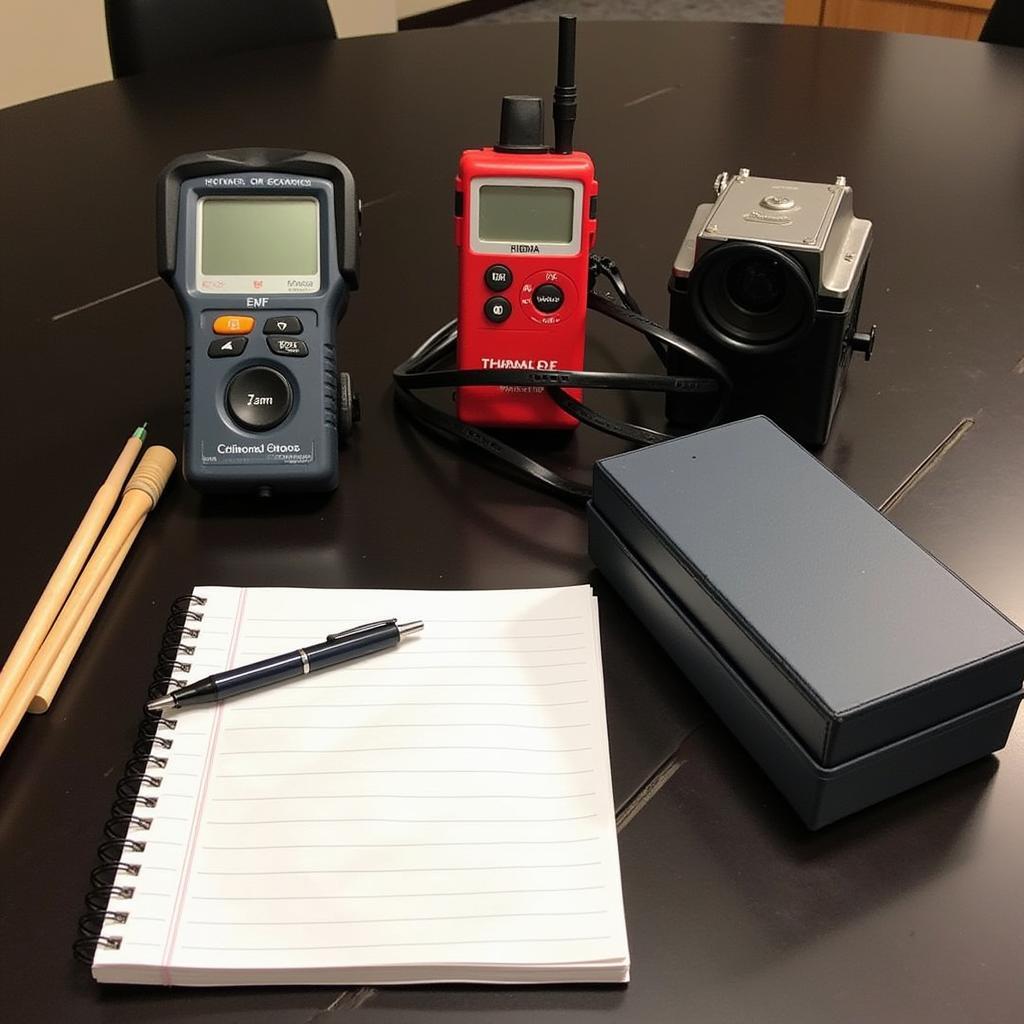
(385, 198)
(350, 999)
(643, 796)
(650, 96)
(928, 463)
(104, 298)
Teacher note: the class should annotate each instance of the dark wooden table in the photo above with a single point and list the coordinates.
(913, 910)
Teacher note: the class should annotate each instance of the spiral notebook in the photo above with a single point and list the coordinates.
(441, 812)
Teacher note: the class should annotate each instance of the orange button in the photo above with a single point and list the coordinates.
(233, 324)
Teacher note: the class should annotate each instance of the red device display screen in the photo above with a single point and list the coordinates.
(521, 212)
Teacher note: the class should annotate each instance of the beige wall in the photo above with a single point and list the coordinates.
(52, 45)
(407, 8)
(363, 17)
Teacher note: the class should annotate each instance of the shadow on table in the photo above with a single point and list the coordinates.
(795, 885)
(249, 506)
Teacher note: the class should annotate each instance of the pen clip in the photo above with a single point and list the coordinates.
(370, 626)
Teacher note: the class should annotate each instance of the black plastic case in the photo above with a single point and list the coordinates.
(849, 662)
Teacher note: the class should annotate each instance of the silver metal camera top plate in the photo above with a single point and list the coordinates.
(794, 214)
(814, 222)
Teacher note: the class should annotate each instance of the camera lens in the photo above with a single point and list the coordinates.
(749, 295)
(757, 285)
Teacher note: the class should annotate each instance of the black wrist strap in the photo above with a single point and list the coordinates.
(419, 372)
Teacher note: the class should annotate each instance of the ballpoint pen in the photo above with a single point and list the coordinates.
(337, 648)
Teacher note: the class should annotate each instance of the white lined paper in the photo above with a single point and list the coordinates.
(439, 812)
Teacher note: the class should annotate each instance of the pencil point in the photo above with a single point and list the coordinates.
(140, 432)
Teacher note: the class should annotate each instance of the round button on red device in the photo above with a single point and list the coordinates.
(548, 298)
(497, 277)
(497, 309)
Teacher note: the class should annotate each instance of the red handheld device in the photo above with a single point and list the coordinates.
(525, 222)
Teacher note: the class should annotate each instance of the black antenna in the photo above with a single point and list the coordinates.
(563, 108)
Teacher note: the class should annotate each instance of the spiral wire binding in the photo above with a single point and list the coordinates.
(137, 789)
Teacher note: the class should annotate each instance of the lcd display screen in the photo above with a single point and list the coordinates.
(266, 236)
(525, 213)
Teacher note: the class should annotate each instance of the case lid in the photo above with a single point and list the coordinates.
(853, 633)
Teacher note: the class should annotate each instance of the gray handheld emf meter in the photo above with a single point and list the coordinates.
(261, 246)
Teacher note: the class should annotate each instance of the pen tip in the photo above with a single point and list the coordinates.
(409, 627)
(140, 432)
(160, 703)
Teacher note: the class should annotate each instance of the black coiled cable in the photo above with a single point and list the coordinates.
(420, 371)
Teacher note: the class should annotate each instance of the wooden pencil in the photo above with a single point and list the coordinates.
(68, 568)
(141, 493)
(47, 689)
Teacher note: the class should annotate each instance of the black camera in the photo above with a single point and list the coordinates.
(769, 280)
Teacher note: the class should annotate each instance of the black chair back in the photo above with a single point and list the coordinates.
(1005, 23)
(145, 34)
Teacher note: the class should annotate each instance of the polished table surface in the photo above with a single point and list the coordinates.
(912, 910)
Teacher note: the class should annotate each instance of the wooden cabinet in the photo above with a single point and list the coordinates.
(962, 19)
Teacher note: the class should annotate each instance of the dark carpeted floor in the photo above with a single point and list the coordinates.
(640, 10)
